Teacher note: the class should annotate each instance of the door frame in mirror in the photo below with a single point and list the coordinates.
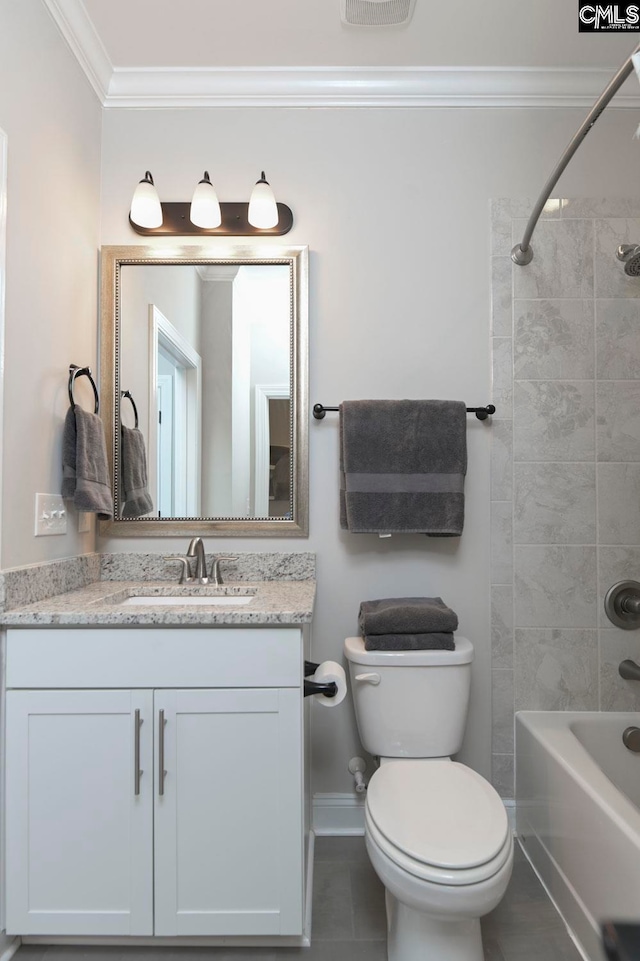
(297, 259)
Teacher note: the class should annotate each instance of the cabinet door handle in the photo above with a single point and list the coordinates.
(161, 772)
(137, 771)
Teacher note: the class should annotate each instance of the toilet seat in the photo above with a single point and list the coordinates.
(438, 820)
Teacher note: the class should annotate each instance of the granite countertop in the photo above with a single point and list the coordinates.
(100, 604)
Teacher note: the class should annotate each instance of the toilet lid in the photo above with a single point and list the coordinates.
(438, 812)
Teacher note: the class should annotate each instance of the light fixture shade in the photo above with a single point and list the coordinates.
(205, 207)
(263, 210)
(145, 205)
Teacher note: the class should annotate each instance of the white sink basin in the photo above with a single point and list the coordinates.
(188, 600)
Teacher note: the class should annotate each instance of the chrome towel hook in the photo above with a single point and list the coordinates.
(75, 371)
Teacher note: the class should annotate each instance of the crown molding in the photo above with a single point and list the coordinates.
(327, 86)
(363, 87)
(78, 30)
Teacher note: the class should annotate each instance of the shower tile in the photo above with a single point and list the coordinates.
(501, 543)
(618, 339)
(501, 297)
(556, 670)
(562, 265)
(601, 207)
(615, 564)
(555, 586)
(501, 460)
(619, 503)
(553, 339)
(554, 421)
(616, 694)
(502, 627)
(521, 209)
(618, 421)
(502, 711)
(554, 504)
(502, 394)
(610, 278)
(502, 774)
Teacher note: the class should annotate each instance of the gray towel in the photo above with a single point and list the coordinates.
(442, 641)
(85, 470)
(406, 615)
(403, 464)
(133, 456)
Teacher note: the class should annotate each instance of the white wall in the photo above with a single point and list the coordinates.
(399, 307)
(53, 122)
(216, 351)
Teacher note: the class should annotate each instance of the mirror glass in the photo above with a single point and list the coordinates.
(207, 383)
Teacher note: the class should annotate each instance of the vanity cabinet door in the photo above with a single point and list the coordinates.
(228, 813)
(78, 827)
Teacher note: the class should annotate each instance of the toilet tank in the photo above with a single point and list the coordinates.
(410, 703)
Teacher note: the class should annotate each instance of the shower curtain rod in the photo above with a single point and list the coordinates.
(522, 253)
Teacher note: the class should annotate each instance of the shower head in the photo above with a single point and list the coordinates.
(629, 254)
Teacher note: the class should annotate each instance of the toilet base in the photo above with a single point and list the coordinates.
(415, 936)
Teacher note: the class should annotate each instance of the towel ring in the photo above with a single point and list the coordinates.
(75, 371)
(127, 394)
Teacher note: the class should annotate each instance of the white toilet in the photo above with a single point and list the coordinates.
(436, 832)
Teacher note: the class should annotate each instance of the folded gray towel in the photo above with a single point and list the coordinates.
(403, 464)
(442, 641)
(85, 469)
(133, 456)
(406, 615)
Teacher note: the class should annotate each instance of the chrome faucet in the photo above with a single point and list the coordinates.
(196, 549)
(200, 576)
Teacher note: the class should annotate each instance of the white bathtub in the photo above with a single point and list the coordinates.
(578, 815)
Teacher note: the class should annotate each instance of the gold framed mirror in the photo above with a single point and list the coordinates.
(204, 389)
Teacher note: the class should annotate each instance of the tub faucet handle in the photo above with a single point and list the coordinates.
(622, 605)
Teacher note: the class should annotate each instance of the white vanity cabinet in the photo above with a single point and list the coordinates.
(154, 782)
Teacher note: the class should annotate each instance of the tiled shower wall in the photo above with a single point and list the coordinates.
(565, 486)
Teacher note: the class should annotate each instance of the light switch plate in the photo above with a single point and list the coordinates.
(84, 522)
(51, 515)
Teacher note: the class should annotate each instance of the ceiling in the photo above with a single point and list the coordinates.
(213, 33)
(194, 53)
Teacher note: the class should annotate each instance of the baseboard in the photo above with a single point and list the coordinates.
(8, 949)
(336, 814)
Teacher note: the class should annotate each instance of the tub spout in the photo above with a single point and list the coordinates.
(629, 670)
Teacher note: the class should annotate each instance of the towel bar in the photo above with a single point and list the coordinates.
(319, 410)
(127, 394)
(75, 371)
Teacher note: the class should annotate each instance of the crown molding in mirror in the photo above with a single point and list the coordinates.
(327, 86)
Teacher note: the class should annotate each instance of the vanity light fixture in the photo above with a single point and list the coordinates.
(146, 210)
(205, 215)
(205, 207)
(263, 210)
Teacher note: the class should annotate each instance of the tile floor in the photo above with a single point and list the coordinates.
(349, 921)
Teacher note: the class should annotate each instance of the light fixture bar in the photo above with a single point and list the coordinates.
(235, 223)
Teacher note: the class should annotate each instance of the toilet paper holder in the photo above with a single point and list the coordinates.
(328, 688)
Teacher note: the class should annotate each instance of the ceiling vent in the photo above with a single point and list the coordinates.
(376, 13)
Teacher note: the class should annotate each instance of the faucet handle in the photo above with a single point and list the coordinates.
(185, 573)
(215, 566)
